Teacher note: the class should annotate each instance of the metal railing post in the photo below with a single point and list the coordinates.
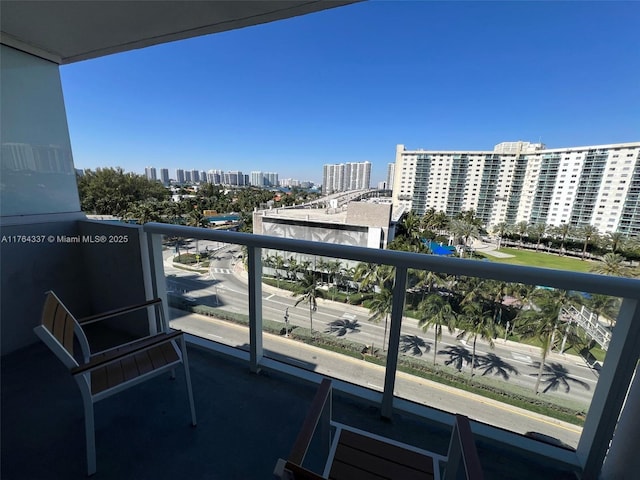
(254, 263)
(397, 308)
(154, 243)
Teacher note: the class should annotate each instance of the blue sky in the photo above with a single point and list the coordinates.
(348, 84)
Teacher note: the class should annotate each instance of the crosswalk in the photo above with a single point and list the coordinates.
(222, 271)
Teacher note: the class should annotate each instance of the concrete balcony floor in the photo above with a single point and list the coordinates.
(245, 423)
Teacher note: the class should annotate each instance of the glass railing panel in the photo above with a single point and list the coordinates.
(489, 350)
(206, 290)
(317, 315)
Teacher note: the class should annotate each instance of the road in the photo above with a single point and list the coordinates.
(507, 362)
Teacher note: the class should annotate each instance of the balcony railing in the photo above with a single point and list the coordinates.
(615, 375)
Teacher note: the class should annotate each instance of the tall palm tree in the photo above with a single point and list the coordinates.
(537, 231)
(563, 230)
(365, 275)
(588, 232)
(477, 321)
(412, 225)
(501, 229)
(542, 323)
(308, 292)
(464, 229)
(522, 228)
(435, 312)
(279, 265)
(616, 241)
(381, 308)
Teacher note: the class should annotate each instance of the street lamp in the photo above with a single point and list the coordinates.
(286, 322)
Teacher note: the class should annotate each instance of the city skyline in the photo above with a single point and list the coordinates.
(294, 95)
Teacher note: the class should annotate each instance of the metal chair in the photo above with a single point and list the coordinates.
(105, 373)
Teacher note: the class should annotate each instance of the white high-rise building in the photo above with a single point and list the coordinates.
(150, 172)
(345, 176)
(164, 176)
(390, 172)
(595, 185)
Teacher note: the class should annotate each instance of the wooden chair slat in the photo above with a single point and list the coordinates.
(386, 450)
(99, 380)
(372, 463)
(344, 471)
(49, 311)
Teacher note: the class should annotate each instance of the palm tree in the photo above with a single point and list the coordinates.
(542, 323)
(476, 320)
(435, 312)
(587, 232)
(616, 241)
(308, 292)
(613, 265)
(464, 230)
(381, 308)
(195, 218)
(604, 305)
(365, 275)
(538, 230)
(521, 229)
(501, 229)
(563, 231)
(279, 265)
(412, 225)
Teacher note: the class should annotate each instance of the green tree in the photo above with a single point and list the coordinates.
(143, 212)
(111, 191)
(381, 308)
(616, 241)
(477, 321)
(563, 230)
(435, 312)
(501, 229)
(588, 233)
(195, 218)
(522, 228)
(542, 323)
(464, 229)
(537, 231)
(612, 264)
(604, 305)
(307, 291)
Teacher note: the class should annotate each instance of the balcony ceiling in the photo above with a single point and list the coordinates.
(70, 31)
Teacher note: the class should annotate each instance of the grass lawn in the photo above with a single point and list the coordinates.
(540, 259)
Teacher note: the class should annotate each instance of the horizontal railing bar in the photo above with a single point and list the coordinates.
(584, 282)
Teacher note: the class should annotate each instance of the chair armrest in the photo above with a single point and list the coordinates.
(117, 312)
(130, 349)
(301, 445)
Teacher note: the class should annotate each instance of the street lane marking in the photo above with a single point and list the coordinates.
(212, 335)
(521, 357)
(270, 296)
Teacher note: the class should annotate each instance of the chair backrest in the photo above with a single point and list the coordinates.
(58, 330)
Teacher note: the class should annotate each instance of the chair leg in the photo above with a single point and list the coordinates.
(90, 434)
(187, 377)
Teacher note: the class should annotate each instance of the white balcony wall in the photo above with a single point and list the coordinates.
(37, 170)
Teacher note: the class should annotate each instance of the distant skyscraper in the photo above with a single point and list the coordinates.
(164, 176)
(215, 177)
(195, 176)
(180, 175)
(272, 179)
(346, 176)
(391, 168)
(257, 179)
(150, 172)
(187, 176)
